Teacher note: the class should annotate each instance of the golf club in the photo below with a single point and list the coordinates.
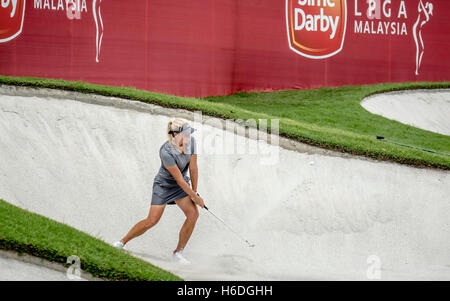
(229, 228)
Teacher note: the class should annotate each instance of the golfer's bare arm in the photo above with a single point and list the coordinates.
(193, 171)
(176, 174)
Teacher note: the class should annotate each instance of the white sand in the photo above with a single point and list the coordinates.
(15, 270)
(92, 167)
(425, 109)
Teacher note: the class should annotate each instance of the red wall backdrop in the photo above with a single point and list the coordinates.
(212, 47)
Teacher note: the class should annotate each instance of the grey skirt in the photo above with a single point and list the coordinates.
(166, 194)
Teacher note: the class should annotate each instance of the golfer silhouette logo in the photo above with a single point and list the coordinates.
(425, 12)
(98, 25)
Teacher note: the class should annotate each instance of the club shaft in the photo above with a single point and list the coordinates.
(229, 228)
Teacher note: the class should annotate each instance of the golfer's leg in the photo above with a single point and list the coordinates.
(152, 219)
(191, 212)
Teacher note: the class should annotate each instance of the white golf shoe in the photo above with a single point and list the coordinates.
(178, 256)
(119, 245)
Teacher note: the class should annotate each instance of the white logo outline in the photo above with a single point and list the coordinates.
(21, 26)
(98, 40)
(310, 56)
(420, 51)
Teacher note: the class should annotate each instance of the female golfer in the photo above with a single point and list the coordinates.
(424, 16)
(171, 185)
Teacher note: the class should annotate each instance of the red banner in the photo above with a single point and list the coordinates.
(212, 47)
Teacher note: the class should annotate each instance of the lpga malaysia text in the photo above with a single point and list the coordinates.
(72, 8)
(242, 137)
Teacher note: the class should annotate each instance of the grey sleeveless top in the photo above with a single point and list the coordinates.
(171, 156)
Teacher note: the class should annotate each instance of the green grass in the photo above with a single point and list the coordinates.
(331, 118)
(33, 234)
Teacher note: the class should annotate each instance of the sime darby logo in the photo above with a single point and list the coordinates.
(316, 28)
(12, 13)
